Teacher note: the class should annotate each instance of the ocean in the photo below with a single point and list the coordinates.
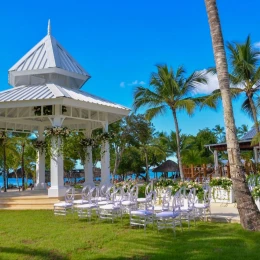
(13, 181)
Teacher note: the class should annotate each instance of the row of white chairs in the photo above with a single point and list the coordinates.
(109, 202)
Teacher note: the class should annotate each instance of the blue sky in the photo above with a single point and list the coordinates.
(118, 42)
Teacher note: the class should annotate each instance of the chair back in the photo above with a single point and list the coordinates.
(148, 188)
(191, 197)
(85, 192)
(69, 195)
(134, 193)
(116, 196)
(109, 192)
(206, 198)
(150, 200)
(93, 195)
(176, 201)
(102, 190)
(166, 199)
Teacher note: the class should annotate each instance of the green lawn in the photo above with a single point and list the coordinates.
(41, 235)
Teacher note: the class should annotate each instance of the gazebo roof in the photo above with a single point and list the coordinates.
(47, 56)
(167, 166)
(53, 91)
(46, 85)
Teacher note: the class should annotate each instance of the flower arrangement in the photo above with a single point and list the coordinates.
(165, 183)
(224, 183)
(40, 145)
(256, 192)
(57, 131)
(87, 142)
(105, 137)
(175, 186)
(47, 110)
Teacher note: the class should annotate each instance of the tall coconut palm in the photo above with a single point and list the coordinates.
(170, 90)
(249, 214)
(244, 76)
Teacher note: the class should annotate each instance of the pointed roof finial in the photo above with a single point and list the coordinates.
(49, 27)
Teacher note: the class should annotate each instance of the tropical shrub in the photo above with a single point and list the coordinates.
(256, 192)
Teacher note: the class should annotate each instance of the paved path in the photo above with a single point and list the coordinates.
(224, 212)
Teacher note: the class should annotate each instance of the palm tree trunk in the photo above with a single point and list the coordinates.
(4, 146)
(16, 176)
(22, 168)
(252, 105)
(249, 214)
(146, 166)
(178, 143)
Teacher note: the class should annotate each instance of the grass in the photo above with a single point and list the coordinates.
(41, 235)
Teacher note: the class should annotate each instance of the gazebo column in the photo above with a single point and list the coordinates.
(216, 160)
(105, 159)
(57, 188)
(40, 164)
(256, 154)
(88, 165)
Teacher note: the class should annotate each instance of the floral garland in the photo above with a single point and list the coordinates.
(40, 145)
(105, 137)
(57, 131)
(85, 142)
(47, 110)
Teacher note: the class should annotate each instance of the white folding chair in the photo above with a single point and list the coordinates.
(130, 203)
(143, 217)
(84, 196)
(64, 207)
(187, 209)
(202, 208)
(112, 210)
(171, 218)
(148, 189)
(85, 210)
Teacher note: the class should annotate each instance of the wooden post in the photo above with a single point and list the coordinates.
(204, 170)
(192, 171)
(228, 172)
(221, 171)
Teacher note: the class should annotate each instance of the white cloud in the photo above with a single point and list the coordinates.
(122, 84)
(212, 84)
(257, 45)
(209, 87)
(136, 82)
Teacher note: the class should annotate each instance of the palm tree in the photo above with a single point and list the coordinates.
(171, 90)
(219, 132)
(244, 61)
(249, 214)
(242, 130)
(7, 152)
(245, 76)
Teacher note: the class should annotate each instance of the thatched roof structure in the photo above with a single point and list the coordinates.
(168, 166)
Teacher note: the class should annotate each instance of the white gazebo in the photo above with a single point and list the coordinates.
(48, 78)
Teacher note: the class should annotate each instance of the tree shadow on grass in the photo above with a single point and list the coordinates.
(28, 252)
(195, 243)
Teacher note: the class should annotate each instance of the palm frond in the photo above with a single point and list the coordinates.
(246, 108)
(187, 105)
(153, 112)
